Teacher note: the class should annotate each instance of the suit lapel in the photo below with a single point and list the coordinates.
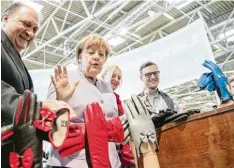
(15, 57)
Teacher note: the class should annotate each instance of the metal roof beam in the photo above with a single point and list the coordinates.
(85, 8)
(75, 26)
(165, 26)
(65, 18)
(38, 63)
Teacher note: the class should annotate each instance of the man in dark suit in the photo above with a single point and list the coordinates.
(19, 26)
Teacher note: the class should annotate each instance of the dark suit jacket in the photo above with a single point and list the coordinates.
(15, 80)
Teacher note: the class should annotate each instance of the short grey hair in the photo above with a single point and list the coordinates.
(13, 7)
(16, 5)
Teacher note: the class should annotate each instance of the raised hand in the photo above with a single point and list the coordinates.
(61, 83)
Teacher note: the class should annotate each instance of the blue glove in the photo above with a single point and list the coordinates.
(219, 79)
(207, 80)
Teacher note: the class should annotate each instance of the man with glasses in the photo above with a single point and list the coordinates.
(150, 76)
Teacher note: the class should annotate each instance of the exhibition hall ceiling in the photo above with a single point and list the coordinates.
(129, 24)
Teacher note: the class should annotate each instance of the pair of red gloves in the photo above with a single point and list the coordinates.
(32, 124)
(99, 132)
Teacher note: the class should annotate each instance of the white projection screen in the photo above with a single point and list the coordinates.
(179, 57)
(41, 80)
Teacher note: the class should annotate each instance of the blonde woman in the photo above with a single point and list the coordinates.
(113, 76)
(80, 87)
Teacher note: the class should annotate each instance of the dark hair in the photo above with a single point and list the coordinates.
(146, 64)
(12, 8)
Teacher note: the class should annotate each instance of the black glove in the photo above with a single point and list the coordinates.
(193, 111)
(165, 117)
(176, 118)
(31, 125)
(27, 145)
(181, 116)
(159, 119)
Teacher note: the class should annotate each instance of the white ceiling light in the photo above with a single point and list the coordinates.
(151, 12)
(116, 40)
(168, 16)
(123, 31)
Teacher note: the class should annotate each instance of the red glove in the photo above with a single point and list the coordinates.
(75, 140)
(115, 130)
(118, 129)
(127, 157)
(67, 138)
(97, 137)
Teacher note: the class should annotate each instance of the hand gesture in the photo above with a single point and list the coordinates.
(61, 83)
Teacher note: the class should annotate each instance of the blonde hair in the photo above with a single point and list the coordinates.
(92, 41)
(108, 72)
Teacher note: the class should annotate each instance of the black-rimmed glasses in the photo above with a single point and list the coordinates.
(149, 74)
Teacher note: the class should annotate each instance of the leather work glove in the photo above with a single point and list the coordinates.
(140, 123)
